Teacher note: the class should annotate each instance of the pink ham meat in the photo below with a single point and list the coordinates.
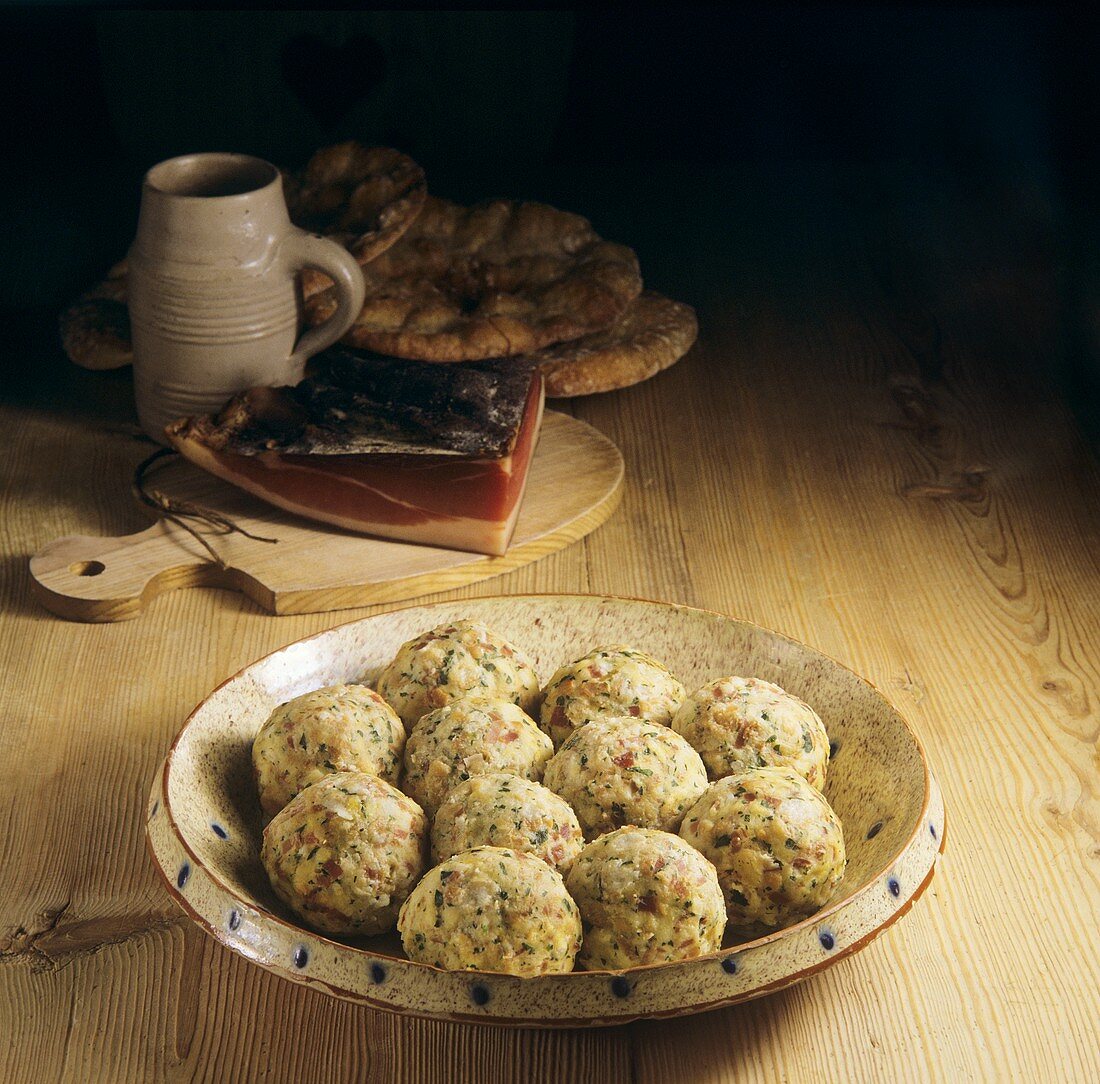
(369, 447)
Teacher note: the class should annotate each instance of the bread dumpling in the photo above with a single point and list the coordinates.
(452, 661)
(345, 852)
(624, 771)
(492, 909)
(608, 682)
(645, 897)
(501, 810)
(467, 738)
(340, 728)
(738, 723)
(775, 841)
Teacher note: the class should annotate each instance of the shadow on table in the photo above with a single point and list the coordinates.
(702, 1047)
(15, 588)
(705, 1046)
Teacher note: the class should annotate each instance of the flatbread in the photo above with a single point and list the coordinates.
(494, 280)
(363, 197)
(651, 335)
(95, 329)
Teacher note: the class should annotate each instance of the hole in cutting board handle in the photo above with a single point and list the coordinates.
(87, 568)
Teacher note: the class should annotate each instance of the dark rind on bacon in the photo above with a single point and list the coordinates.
(355, 402)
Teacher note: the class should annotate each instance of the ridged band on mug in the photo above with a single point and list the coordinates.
(192, 311)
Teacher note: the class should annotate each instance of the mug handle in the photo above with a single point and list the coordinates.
(305, 249)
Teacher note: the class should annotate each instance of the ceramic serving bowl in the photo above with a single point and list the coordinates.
(204, 828)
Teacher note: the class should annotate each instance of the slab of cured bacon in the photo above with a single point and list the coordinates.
(420, 452)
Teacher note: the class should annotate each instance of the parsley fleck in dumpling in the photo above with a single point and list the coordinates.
(451, 661)
(502, 810)
(775, 841)
(341, 728)
(609, 682)
(345, 852)
(625, 771)
(738, 723)
(467, 738)
(492, 909)
(645, 897)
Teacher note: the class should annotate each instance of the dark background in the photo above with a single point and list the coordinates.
(650, 122)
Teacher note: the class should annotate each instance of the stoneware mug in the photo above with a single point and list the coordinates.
(215, 304)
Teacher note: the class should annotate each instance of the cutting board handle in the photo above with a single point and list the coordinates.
(83, 578)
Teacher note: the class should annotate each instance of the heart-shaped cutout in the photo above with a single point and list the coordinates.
(329, 80)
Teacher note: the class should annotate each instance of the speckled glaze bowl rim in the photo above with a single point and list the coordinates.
(719, 956)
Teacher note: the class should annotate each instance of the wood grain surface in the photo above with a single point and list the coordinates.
(864, 451)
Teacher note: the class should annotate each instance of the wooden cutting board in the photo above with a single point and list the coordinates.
(574, 485)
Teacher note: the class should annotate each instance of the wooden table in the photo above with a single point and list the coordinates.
(864, 452)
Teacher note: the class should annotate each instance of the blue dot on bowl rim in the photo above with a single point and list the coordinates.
(234, 919)
(218, 830)
(834, 748)
(828, 941)
(301, 956)
(874, 829)
(183, 876)
(895, 887)
(377, 974)
(932, 829)
(730, 965)
(620, 986)
(155, 809)
(479, 993)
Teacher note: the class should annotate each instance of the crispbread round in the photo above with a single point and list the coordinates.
(363, 197)
(493, 280)
(95, 329)
(651, 335)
